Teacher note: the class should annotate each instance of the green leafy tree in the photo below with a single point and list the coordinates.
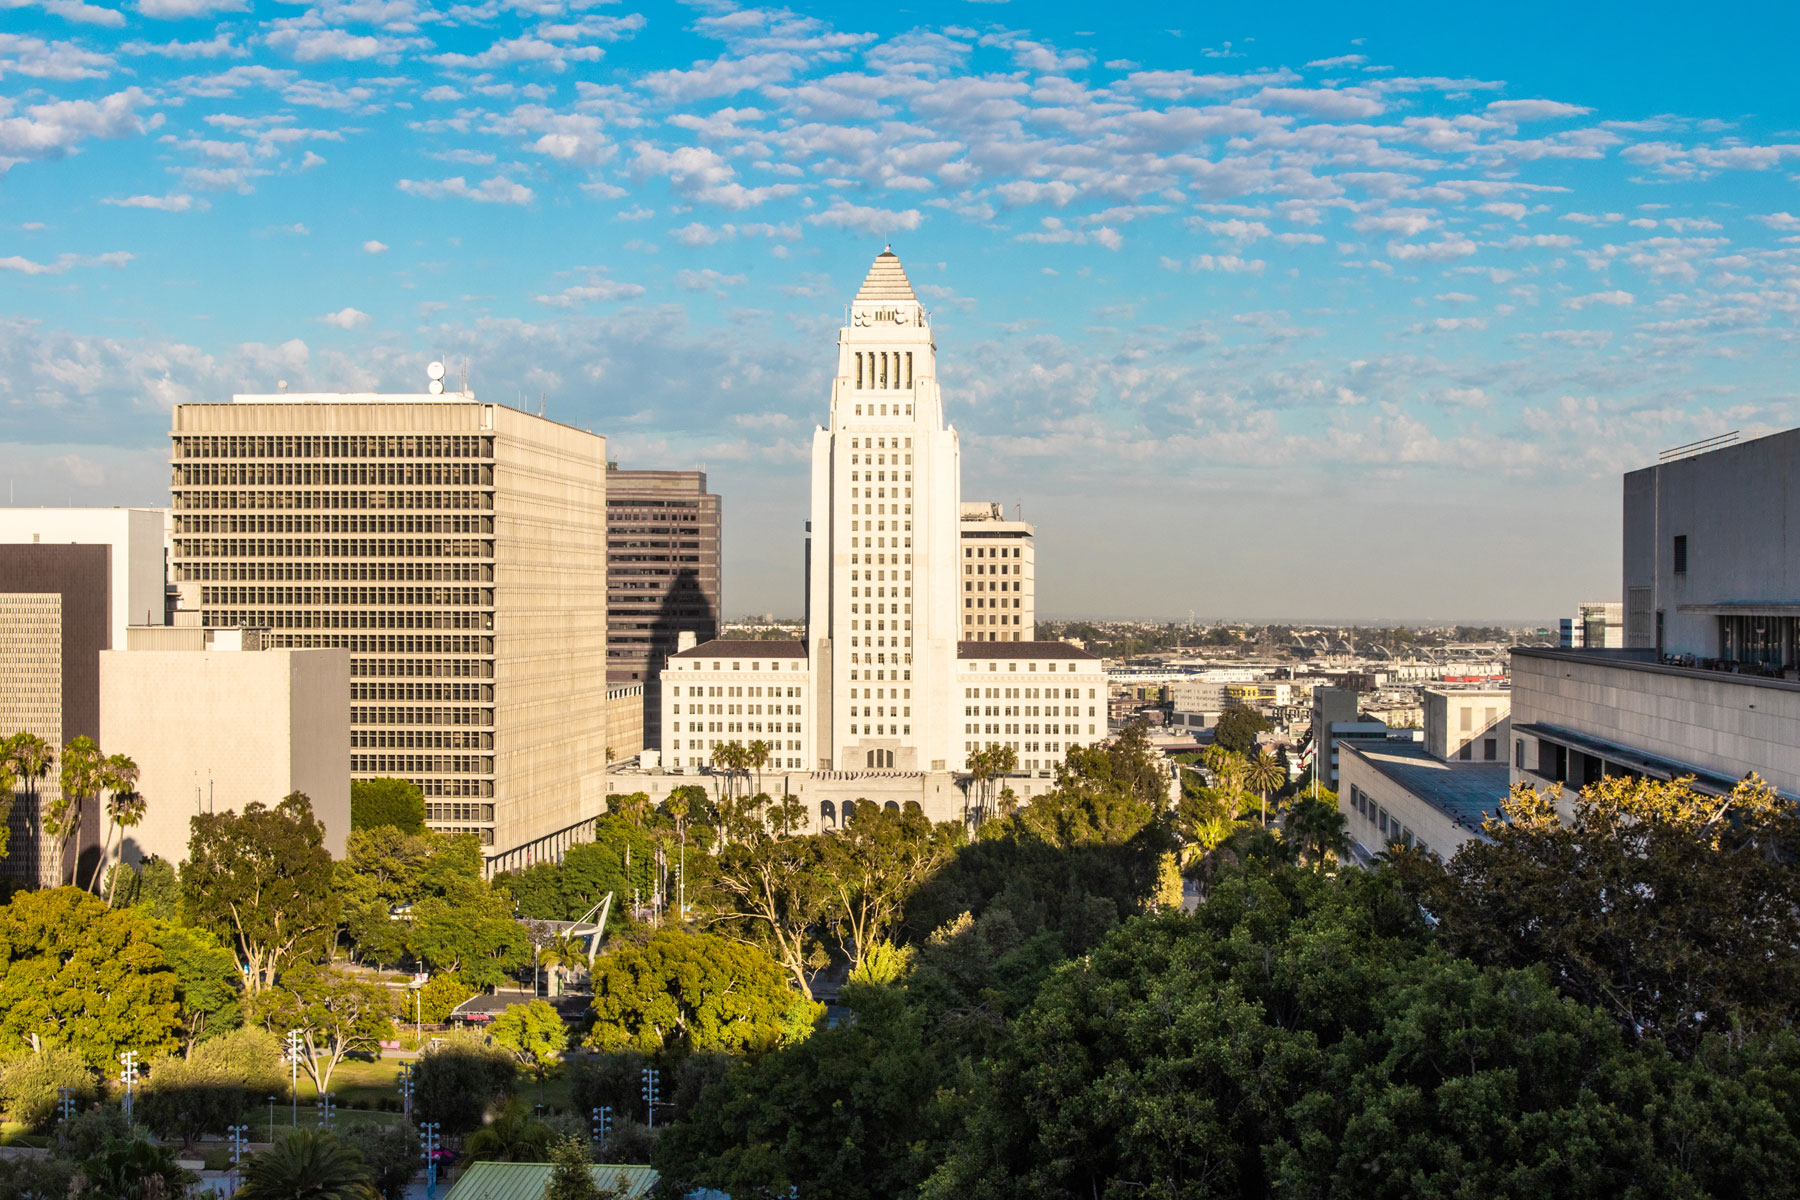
(1237, 729)
(612, 1079)
(307, 1164)
(77, 975)
(775, 894)
(470, 932)
(440, 997)
(695, 991)
(534, 1032)
(391, 1153)
(262, 879)
(206, 1092)
(571, 1176)
(395, 803)
(211, 986)
(515, 1135)
(852, 1112)
(461, 1080)
(31, 1085)
(39, 1177)
(621, 859)
(1315, 830)
(137, 1169)
(1676, 912)
(874, 864)
(337, 1015)
(152, 888)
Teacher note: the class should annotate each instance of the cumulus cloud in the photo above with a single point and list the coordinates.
(706, 280)
(1443, 250)
(56, 128)
(597, 289)
(173, 202)
(1534, 110)
(498, 190)
(345, 318)
(183, 10)
(876, 222)
(374, 247)
(1615, 299)
(64, 262)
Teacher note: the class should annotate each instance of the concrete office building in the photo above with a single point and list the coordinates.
(1334, 715)
(663, 574)
(999, 576)
(1709, 682)
(456, 549)
(885, 690)
(1596, 625)
(71, 582)
(625, 711)
(216, 721)
(1468, 724)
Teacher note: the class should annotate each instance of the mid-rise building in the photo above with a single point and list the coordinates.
(1596, 625)
(1469, 724)
(215, 721)
(456, 549)
(663, 575)
(1708, 684)
(999, 576)
(71, 581)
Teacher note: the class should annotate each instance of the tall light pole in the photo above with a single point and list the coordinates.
(429, 1135)
(602, 1125)
(240, 1139)
(128, 1076)
(650, 1077)
(293, 1047)
(271, 1120)
(327, 1110)
(406, 1089)
(65, 1102)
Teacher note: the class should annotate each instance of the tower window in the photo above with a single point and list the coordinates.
(1681, 554)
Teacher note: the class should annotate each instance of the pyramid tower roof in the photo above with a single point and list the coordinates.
(886, 282)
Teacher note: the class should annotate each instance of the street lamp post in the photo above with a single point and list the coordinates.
(429, 1134)
(128, 1076)
(240, 1139)
(406, 1089)
(327, 1110)
(271, 1120)
(651, 1075)
(602, 1125)
(293, 1046)
(65, 1102)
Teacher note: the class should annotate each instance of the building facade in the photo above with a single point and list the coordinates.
(72, 581)
(214, 722)
(663, 575)
(885, 686)
(999, 576)
(1596, 625)
(456, 549)
(1468, 724)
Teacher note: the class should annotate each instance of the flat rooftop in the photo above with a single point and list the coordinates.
(1467, 792)
(1646, 661)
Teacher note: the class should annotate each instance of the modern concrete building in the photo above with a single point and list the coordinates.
(1334, 713)
(215, 721)
(456, 549)
(999, 576)
(1596, 625)
(1469, 724)
(663, 574)
(1708, 685)
(624, 720)
(1397, 791)
(71, 582)
(885, 690)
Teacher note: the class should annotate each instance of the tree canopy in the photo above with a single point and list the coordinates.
(396, 803)
(697, 991)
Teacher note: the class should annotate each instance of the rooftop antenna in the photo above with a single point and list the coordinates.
(540, 404)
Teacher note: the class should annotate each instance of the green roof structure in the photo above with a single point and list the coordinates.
(526, 1181)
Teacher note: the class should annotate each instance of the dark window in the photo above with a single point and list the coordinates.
(1681, 554)
(1490, 749)
(1467, 752)
(1519, 754)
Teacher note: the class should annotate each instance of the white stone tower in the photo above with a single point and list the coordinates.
(882, 615)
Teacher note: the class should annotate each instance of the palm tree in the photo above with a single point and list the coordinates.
(756, 755)
(513, 1136)
(307, 1164)
(1228, 771)
(124, 809)
(83, 779)
(1263, 773)
(138, 1169)
(1316, 829)
(27, 758)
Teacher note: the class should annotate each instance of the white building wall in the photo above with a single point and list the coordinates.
(139, 565)
(743, 699)
(1041, 708)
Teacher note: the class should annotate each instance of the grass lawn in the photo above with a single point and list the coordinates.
(14, 1134)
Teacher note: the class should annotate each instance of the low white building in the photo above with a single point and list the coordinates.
(740, 691)
(214, 722)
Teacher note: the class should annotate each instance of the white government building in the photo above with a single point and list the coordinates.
(895, 685)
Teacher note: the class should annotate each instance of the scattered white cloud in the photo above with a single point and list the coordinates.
(173, 202)
(345, 318)
(1614, 299)
(857, 218)
(63, 262)
(374, 247)
(498, 190)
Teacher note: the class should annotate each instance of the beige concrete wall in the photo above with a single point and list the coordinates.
(1713, 721)
(1441, 834)
(214, 731)
(550, 721)
(1455, 718)
(625, 714)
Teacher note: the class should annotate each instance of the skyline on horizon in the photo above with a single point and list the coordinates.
(1216, 302)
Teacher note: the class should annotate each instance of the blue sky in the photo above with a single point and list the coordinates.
(1255, 311)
